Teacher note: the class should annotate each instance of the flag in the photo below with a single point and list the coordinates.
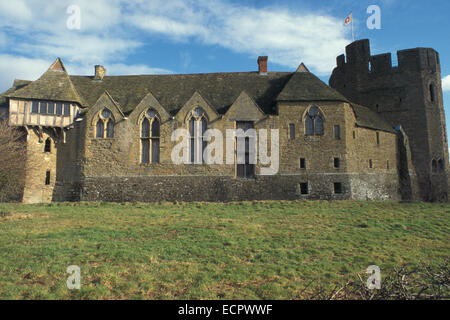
(348, 20)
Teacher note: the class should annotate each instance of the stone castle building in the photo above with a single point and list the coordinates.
(377, 132)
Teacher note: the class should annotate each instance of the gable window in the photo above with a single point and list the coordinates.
(337, 132)
(48, 146)
(291, 131)
(314, 122)
(197, 127)
(104, 127)
(150, 137)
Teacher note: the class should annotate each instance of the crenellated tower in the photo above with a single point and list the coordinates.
(410, 97)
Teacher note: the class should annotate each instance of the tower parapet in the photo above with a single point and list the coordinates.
(409, 95)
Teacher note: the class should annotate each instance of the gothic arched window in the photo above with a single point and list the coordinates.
(198, 125)
(314, 122)
(104, 127)
(150, 135)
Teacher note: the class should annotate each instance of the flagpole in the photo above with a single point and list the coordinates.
(353, 31)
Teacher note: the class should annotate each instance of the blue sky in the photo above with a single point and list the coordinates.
(186, 36)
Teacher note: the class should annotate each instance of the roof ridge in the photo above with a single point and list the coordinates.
(189, 74)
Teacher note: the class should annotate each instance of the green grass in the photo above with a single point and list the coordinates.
(251, 250)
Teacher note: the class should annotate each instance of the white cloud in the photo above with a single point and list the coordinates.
(12, 67)
(446, 83)
(111, 30)
(287, 37)
(137, 69)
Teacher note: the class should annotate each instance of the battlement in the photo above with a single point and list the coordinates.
(359, 59)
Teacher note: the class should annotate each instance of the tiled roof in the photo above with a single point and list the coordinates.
(172, 91)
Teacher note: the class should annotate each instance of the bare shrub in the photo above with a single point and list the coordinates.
(404, 283)
(12, 162)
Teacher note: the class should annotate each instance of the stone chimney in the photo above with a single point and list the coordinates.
(262, 65)
(100, 72)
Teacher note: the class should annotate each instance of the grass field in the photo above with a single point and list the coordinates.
(254, 250)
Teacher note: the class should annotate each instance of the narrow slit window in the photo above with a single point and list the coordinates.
(337, 132)
(378, 138)
(292, 131)
(47, 178)
(370, 164)
(302, 163)
(432, 93)
(337, 163)
(48, 146)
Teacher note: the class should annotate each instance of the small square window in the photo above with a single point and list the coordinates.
(302, 163)
(337, 163)
(304, 190)
(337, 188)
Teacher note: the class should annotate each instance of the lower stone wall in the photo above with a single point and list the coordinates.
(383, 187)
(224, 188)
